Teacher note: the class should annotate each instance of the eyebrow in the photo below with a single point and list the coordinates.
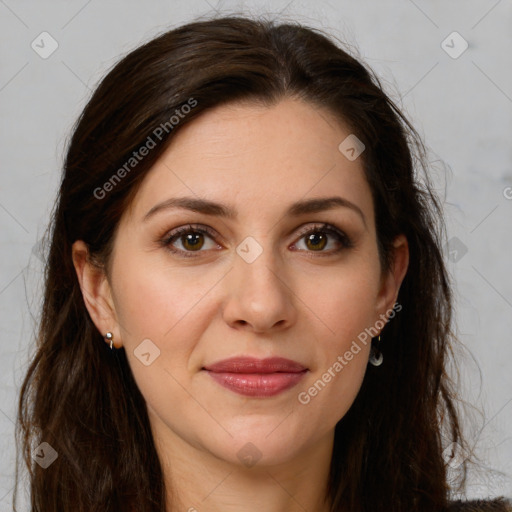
(208, 207)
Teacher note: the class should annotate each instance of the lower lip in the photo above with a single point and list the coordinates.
(257, 384)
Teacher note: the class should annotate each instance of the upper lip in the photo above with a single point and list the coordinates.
(255, 365)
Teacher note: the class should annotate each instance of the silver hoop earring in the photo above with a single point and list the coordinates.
(110, 336)
(376, 356)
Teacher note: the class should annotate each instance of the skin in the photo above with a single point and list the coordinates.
(290, 301)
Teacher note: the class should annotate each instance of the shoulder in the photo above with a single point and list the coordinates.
(495, 505)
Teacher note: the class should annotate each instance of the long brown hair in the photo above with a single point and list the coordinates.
(82, 399)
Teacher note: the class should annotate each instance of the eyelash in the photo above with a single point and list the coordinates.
(341, 237)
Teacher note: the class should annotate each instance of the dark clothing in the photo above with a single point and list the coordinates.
(494, 505)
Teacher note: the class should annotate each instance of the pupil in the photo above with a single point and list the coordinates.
(189, 240)
(317, 239)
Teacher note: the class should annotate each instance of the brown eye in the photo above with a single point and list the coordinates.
(318, 237)
(316, 241)
(192, 240)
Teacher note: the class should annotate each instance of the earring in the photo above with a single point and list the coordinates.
(376, 356)
(109, 336)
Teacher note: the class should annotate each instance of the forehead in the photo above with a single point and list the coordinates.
(253, 155)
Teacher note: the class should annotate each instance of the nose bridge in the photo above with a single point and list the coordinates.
(257, 263)
(258, 292)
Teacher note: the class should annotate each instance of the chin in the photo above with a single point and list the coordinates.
(257, 447)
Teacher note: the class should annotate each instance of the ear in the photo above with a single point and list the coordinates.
(96, 292)
(392, 279)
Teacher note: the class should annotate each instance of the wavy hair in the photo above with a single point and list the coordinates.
(83, 400)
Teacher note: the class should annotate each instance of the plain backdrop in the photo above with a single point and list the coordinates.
(460, 100)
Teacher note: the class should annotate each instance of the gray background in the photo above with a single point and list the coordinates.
(461, 106)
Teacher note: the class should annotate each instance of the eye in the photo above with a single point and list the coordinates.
(318, 237)
(192, 239)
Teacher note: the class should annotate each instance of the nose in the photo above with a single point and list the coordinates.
(259, 294)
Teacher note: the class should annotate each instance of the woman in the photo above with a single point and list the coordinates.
(241, 221)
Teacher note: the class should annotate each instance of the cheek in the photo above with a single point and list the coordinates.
(343, 302)
(156, 301)
(343, 308)
(341, 362)
(170, 307)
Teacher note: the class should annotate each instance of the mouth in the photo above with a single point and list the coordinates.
(254, 377)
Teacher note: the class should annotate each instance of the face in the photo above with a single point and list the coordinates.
(189, 287)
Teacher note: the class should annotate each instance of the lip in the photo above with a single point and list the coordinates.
(255, 365)
(255, 377)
